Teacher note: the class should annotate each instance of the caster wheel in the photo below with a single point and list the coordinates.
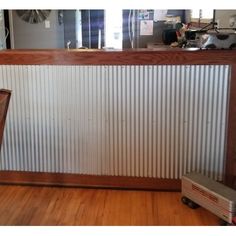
(193, 205)
(223, 223)
(185, 200)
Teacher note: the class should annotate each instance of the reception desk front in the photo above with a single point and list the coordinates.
(128, 119)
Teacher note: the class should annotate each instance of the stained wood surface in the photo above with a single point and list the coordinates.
(63, 179)
(230, 170)
(125, 57)
(4, 102)
(21, 205)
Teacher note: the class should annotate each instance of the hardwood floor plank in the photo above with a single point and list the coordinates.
(25, 205)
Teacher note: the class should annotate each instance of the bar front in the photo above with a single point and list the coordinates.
(136, 119)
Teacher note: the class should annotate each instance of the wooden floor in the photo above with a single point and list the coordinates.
(24, 205)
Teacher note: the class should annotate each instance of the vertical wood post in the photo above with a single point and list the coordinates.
(230, 162)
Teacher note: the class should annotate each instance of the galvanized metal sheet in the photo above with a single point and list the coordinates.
(152, 121)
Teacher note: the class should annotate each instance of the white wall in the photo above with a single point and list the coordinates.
(37, 36)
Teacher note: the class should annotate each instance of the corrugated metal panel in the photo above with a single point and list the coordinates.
(153, 121)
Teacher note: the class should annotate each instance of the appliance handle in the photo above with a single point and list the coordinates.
(131, 28)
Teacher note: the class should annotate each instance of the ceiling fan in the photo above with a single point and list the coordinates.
(33, 16)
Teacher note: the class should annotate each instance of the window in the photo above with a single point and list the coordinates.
(202, 15)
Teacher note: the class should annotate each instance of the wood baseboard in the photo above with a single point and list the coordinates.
(78, 180)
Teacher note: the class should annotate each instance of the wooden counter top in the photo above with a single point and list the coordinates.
(155, 56)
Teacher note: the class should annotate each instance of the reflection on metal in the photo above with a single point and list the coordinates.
(153, 121)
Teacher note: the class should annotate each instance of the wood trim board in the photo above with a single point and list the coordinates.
(127, 57)
(78, 180)
(230, 162)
